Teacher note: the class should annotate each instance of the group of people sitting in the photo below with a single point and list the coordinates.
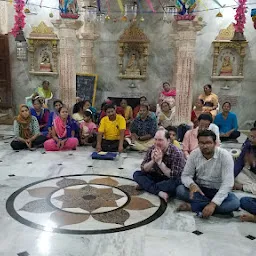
(201, 173)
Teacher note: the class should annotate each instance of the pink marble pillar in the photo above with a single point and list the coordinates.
(185, 43)
(68, 41)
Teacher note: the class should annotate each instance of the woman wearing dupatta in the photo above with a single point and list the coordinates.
(26, 130)
(41, 114)
(210, 99)
(166, 95)
(63, 132)
(166, 117)
(57, 104)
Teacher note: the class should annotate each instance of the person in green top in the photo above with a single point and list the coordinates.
(45, 91)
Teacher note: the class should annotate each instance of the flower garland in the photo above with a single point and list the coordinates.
(19, 17)
(240, 16)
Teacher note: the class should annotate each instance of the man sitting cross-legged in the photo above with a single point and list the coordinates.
(143, 129)
(111, 132)
(161, 168)
(245, 166)
(208, 179)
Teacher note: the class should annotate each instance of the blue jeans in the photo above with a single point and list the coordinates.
(154, 183)
(230, 204)
(248, 204)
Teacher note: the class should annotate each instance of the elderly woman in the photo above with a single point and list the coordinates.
(26, 130)
(210, 99)
(167, 114)
(42, 114)
(63, 132)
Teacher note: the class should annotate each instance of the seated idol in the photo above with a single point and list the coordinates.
(143, 129)
(63, 133)
(245, 166)
(161, 168)
(111, 131)
(26, 130)
(227, 123)
(208, 179)
(190, 141)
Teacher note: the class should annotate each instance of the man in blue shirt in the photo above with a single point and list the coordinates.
(227, 123)
(143, 129)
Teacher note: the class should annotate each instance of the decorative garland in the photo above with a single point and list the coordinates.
(253, 15)
(19, 17)
(240, 16)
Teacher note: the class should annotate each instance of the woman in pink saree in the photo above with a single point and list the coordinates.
(63, 132)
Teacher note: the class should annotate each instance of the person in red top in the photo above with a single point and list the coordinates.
(119, 110)
(136, 110)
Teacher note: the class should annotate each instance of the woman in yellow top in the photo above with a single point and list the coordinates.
(127, 111)
(45, 91)
(210, 99)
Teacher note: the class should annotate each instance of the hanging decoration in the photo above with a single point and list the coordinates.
(121, 6)
(68, 9)
(107, 18)
(185, 7)
(253, 15)
(240, 16)
(140, 10)
(19, 23)
(98, 5)
(219, 15)
(150, 5)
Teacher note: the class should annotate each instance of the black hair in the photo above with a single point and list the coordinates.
(207, 133)
(208, 85)
(57, 101)
(37, 99)
(202, 101)
(103, 105)
(78, 106)
(145, 104)
(254, 125)
(166, 83)
(87, 101)
(63, 106)
(88, 113)
(143, 97)
(253, 129)
(107, 106)
(226, 102)
(207, 117)
(171, 129)
(46, 82)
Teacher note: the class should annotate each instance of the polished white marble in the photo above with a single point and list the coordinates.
(171, 234)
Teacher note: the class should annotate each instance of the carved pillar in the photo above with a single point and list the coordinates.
(185, 42)
(87, 37)
(67, 81)
(3, 17)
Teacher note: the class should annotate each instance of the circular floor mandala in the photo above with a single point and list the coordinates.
(84, 204)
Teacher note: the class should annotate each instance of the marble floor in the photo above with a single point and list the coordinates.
(66, 204)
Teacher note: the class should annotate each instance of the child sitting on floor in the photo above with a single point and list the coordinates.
(87, 129)
(173, 136)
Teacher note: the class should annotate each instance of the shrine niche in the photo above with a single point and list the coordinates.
(228, 60)
(133, 53)
(43, 50)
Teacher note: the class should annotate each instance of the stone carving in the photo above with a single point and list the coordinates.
(43, 50)
(3, 17)
(184, 71)
(228, 59)
(133, 53)
(67, 82)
